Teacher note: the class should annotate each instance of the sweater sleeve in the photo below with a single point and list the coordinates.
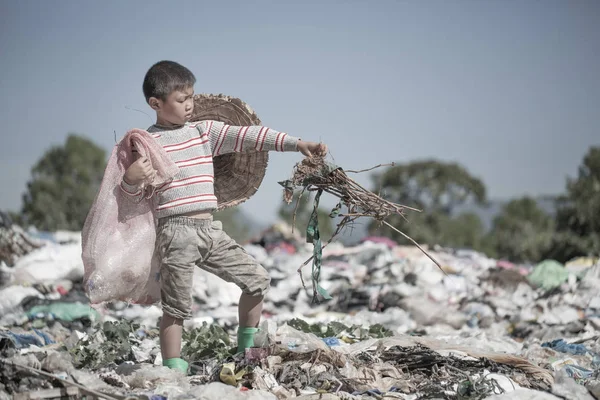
(228, 139)
(132, 192)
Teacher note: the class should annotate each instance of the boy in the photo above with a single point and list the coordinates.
(186, 235)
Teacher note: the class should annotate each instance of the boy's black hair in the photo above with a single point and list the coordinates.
(164, 77)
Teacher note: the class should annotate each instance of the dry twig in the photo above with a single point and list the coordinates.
(315, 174)
(370, 169)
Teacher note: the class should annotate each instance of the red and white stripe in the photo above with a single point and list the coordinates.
(283, 136)
(258, 137)
(201, 198)
(223, 132)
(192, 180)
(208, 126)
(262, 144)
(194, 161)
(206, 131)
(277, 140)
(241, 135)
(128, 192)
(197, 141)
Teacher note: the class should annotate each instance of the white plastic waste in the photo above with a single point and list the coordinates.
(12, 296)
(49, 264)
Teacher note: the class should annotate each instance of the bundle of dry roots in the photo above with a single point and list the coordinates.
(316, 174)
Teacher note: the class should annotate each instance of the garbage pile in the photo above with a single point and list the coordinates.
(14, 243)
(397, 328)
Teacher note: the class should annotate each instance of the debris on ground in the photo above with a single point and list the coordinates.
(396, 327)
(14, 242)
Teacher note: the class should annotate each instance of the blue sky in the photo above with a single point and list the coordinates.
(509, 89)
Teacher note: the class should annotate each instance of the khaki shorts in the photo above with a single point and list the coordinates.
(183, 243)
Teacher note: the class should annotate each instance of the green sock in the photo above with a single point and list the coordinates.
(176, 363)
(246, 338)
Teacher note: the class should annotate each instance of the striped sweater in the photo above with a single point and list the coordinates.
(192, 148)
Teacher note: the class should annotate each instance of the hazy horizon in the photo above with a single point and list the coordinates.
(509, 90)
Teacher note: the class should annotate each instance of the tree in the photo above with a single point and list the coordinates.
(438, 189)
(63, 185)
(522, 232)
(578, 212)
(431, 185)
(303, 212)
(462, 231)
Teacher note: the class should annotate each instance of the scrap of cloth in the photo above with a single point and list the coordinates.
(119, 233)
(23, 340)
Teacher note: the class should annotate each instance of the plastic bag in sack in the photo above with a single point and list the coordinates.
(119, 233)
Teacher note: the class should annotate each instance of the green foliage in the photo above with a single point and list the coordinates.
(337, 329)
(16, 218)
(462, 231)
(63, 186)
(303, 212)
(432, 185)
(438, 189)
(111, 343)
(233, 224)
(578, 213)
(522, 232)
(207, 341)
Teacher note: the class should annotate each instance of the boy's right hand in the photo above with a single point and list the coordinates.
(140, 171)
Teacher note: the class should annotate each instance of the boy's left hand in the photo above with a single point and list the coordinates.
(310, 149)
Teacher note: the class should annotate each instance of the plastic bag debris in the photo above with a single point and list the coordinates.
(548, 275)
(64, 311)
(229, 376)
(50, 263)
(524, 394)
(218, 390)
(396, 325)
(297, 341)
(565, 387)
(21, 340)
(12, 296)
(564, 347)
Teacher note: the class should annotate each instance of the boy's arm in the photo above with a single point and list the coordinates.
(228, 138)
(131, 184)
(133, 192)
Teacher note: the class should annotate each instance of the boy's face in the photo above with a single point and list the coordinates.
(176, 109)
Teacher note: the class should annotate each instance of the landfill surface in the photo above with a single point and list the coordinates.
(397, 327)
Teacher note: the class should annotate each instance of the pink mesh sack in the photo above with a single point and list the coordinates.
(119, 232)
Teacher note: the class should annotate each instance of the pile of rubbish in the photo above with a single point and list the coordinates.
(14, 243)
(397, 327)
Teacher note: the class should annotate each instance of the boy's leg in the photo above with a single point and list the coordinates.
(171, 330)
(178, 254)
(229, 261)
(250, 310)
